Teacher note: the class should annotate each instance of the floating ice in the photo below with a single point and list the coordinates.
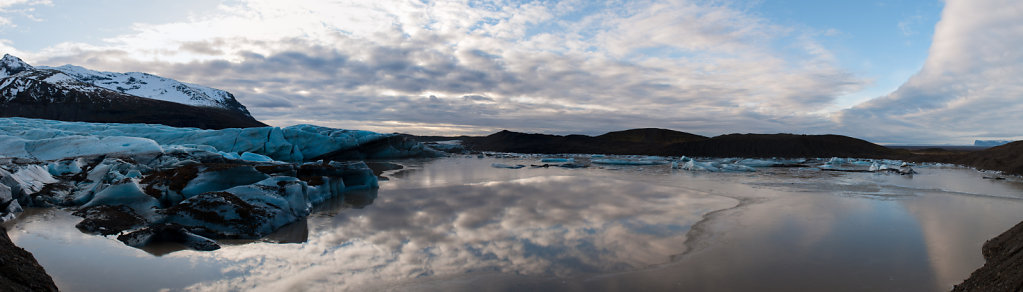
(713, 166)
(249, 156)
(558, 160)
(502, 165)
(451, 146)
(884, 167)
(628, 162)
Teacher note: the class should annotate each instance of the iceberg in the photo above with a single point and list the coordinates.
(557, 160)
(508, 166)
(887, 167)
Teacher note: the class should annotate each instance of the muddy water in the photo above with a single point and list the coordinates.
(460, 224)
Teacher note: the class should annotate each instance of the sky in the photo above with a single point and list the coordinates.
(896, 72)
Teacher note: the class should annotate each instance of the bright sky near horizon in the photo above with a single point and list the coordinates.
(866, 69)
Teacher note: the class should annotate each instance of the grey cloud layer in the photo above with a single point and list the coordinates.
(575, 67)
(693, 66)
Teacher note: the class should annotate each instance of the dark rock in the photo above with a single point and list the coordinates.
(380, 167)
(222, 214)
(1003, 270)
(19, 270)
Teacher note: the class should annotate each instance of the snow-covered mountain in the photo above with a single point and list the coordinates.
(73, 93)
(155, 87)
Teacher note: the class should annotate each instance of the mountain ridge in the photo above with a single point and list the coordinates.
(71, 93)
(652, 141)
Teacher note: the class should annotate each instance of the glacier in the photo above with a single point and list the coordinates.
(149, 183)
(48, 139)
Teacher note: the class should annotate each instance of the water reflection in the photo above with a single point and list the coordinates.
(458, 224)
(540, 226)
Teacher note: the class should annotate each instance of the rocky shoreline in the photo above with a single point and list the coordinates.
(19, 270)
(1003, 270)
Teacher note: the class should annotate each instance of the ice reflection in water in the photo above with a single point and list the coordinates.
(459, 224)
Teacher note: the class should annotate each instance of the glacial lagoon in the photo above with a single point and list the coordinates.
(460, 224)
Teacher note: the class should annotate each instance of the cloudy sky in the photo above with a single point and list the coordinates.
(889, 71)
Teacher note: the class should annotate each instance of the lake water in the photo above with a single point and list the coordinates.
(458, 224)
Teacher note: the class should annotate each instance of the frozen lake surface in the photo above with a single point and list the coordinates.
(461, 224)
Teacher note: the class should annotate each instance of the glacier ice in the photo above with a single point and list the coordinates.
(9, 207)
(52, 140)
(182, 184)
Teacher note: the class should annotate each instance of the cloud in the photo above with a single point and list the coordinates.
(969, 87)
(19, 7)
(565, 67)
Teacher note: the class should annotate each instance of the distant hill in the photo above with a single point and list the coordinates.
(990, 143)
(651, 135)
(70, 93)
(1007, 158)
(782, 145)
(675, 143)
(639, 141)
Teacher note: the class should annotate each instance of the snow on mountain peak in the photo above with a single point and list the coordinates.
(155, 87)
(11, 65)
(131, 83)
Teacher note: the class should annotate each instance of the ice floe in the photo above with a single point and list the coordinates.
(508, 166)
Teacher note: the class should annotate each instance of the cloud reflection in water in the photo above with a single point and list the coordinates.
(559, 226)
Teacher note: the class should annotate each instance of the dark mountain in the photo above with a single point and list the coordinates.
(1007, 158)
(46, 93)
(674, 143)
(781, 145)
(640, 141)
(651, 135)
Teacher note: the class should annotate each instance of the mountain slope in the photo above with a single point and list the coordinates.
(155, 87)
(651, 135)
(1007, 158)
(638, 141)
(45, 93)
(674, 143)
(781, 145)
